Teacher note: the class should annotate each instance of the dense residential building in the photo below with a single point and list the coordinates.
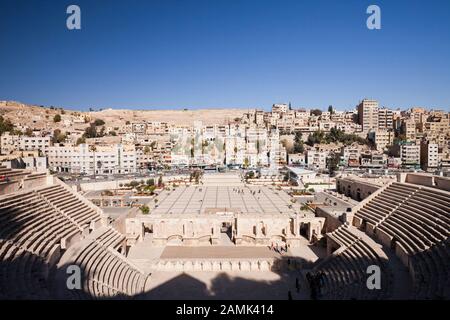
(92, 159)
(9, 143)
(410, 154)
(409, 129)
(429, 155)
(316, 159)
(368, 114)
(382, 138)
(250, 140)
(385, 119)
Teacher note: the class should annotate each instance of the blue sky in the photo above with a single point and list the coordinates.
(225, 53)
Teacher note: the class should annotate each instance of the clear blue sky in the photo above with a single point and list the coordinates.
(225, 53)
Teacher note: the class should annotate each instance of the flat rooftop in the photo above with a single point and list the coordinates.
(210, 199)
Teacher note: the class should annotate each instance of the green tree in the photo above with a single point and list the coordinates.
(316, 137)
(29, 132)
(144, 209)
(57, 118)
(81, 140)
(298, 143)
(91, 132)
(99, 122)
(5, 125)
(316, 112)
(134, 183)
(58, 136)
(246, 162)
(330, 109)
(333, 163)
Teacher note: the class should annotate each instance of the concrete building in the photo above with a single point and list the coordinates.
(410, 154)
(92, 159)
(429, 155)
(280, 108)
(408, 128)
(316, 159)
(296, 159)
(382, 138)
(385, 119)
(368, 114)
(10, 143)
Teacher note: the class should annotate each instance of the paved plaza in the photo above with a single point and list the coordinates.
(198, 199)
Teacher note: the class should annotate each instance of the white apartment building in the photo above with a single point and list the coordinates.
(280, 107)
(10, 143)
(139, 127)
(410, 155)
(316, 159)
(338, 116)
(235, 145)
(257, 145)
(429, 155)
(90, 159)
(351, 156)
(34, 143)
(296, 159)
(325, 116)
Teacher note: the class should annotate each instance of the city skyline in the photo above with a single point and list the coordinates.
(175, 55)
(193, 108)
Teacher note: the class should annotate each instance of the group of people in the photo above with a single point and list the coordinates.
(279, 249)
(239, 191)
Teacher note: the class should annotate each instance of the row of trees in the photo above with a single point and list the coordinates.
(334, 136)
(319, 136)
(92, 131)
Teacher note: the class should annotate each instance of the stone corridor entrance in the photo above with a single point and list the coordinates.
(226, 234)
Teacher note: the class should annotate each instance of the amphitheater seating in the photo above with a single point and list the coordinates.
(343, 275)
(419, 225)
(376, 210)
(108, 274)
(11, 174)
(33, 226)
(68, 203)
(31, 231)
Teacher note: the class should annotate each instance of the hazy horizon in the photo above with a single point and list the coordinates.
(194, 108)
